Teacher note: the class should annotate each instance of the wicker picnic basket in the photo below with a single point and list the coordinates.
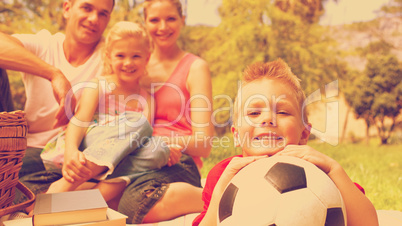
(13, 143)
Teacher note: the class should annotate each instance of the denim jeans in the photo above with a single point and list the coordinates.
(34, 175)
(137, 199)
(141, 195)
(126, 147)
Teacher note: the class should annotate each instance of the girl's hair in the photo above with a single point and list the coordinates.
(277, 69)
(122, 30)
(177, 3)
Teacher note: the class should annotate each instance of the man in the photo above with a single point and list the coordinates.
(53, 64)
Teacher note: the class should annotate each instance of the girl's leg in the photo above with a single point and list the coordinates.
(62, 185)
(110, 191)
(181, 198)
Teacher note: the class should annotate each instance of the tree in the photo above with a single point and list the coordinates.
(377, 93)
(260, 30)
(18, 16)
(309, 11)
(394, 7)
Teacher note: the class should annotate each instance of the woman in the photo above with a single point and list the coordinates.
(181, 84)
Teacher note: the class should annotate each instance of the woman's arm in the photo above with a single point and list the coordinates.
(200, 89)
(74, 161)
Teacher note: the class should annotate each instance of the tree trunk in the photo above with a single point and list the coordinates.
(345, 125)
(367, 131)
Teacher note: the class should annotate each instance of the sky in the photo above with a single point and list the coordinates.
(345, 11)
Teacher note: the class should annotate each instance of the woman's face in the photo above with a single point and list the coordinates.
(164, 23)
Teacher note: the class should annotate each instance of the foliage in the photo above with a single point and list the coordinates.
(309, 11)
(17, 16)
(250, 31)
(394, 8)
(377, 93)
(258, 30)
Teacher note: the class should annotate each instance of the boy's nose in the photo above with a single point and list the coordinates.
(267, 123)
(269, 119)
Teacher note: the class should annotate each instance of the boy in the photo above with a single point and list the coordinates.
(269, 119)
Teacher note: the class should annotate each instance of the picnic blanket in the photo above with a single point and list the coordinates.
(385, 218)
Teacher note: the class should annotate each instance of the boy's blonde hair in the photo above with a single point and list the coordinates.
(176, 3)
(277, 69)
(119, 31)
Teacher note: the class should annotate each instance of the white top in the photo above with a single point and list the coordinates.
(41, 105)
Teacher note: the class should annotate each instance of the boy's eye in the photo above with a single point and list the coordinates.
(281, 113)
(171, 19)
(253, 113)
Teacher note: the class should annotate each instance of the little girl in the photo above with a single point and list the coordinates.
(118, 104)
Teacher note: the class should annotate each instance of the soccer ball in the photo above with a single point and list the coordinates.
(281, 191)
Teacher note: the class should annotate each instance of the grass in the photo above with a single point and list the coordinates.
(377, 168)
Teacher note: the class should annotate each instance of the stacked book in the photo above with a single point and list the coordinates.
(84, 208)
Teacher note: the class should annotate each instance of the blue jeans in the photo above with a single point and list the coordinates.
(138, 198)
(126, 147)
(141, 195)
(34, 175)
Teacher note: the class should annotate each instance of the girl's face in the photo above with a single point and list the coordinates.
(164, 23)
(128, 58)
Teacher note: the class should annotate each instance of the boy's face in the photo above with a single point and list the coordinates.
(87, 19)
(269, 118)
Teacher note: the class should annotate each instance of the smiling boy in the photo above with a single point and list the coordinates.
(269, 119)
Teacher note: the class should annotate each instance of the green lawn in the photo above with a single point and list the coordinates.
(377, 168)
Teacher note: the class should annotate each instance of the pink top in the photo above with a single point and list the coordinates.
(172, 114)
(111, 105)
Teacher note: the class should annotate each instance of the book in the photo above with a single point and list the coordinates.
(69, 208)
(114, 218)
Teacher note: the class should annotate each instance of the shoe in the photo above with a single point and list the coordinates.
(18, 215)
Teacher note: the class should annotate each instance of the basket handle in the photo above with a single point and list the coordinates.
(31, 198)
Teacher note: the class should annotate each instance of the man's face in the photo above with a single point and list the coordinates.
(269, 118)
(87, 19)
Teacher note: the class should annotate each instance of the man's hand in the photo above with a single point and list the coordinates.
(65, 97)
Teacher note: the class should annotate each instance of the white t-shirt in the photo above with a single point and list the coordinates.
(41, 105)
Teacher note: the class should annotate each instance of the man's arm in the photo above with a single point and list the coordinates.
(14, 56)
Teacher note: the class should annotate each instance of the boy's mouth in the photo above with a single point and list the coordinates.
(268, 136)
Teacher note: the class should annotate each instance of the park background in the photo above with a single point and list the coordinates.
(351, 71)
